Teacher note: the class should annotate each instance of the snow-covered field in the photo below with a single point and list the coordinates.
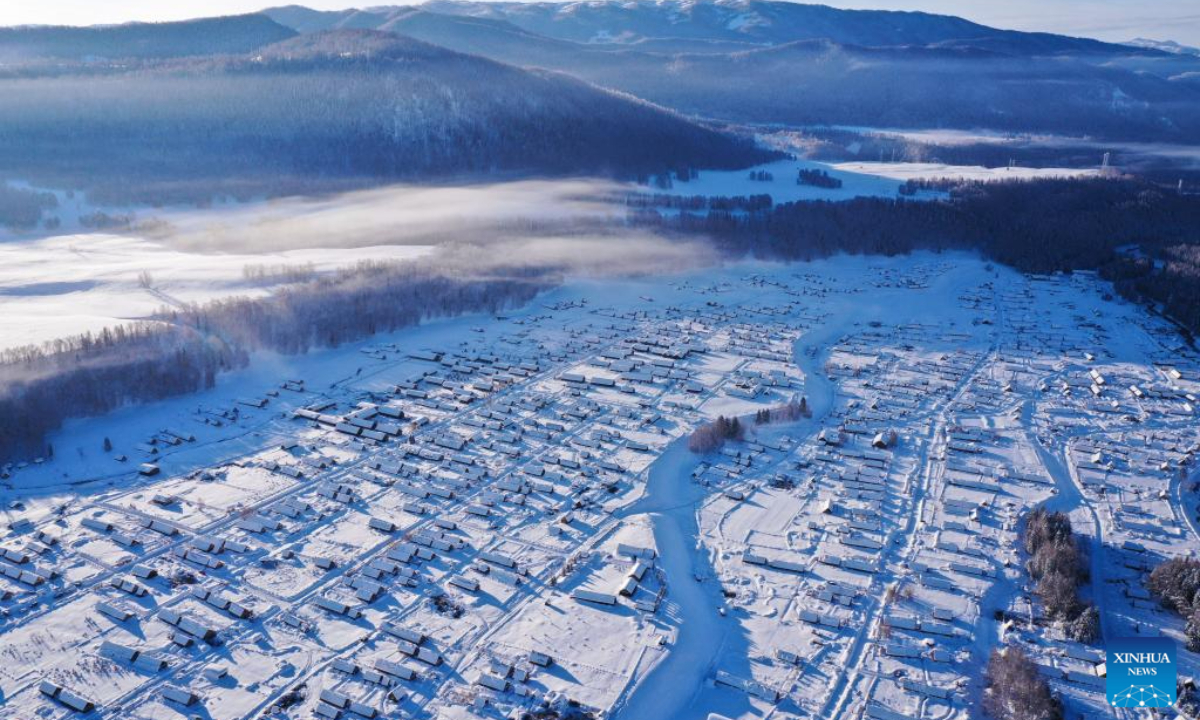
(782, 186)
(957, 137)
(484, 516)
(70, 281)
(859, 179)
(938, 171)
(58, 286)
(63, 283)
(73, 280)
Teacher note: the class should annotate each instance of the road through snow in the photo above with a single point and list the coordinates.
(670, 500)
(1070, 500)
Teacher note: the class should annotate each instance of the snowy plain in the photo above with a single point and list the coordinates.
(59, 286)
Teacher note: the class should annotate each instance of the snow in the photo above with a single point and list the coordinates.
(783, 187)
(1186, 153)
(77, 281)
(785, 577)
(58, 286)
(859, 179)
(937, 171)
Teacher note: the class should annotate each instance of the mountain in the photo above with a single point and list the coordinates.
(691, 26)
(224, 35)
(351, 104)
(826, 83)
(307, 20)
(1167, 46)
(1021, 82)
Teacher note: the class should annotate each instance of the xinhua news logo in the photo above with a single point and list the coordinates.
(1140, 672)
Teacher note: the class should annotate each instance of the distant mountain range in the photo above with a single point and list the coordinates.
(755, 61)
(209, 36)
(457, 87)
(1167, 46)
(691, 26)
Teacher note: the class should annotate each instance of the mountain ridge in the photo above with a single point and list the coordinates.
(764, 22)
(232, 34)
(1000, 80)
(349, 104)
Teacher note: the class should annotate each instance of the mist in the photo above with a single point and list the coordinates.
(395, 215)
(61, 285)
(576, 226)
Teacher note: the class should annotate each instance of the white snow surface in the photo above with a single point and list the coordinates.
(820, 568)
(937, 171)
(58, 286)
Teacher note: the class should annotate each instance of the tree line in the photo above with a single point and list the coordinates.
(185, 350)
(1058, 566)
(22, 208)
(817, 178)
(1037, 226)
(745, 203)
(712, 435)
(790, 411)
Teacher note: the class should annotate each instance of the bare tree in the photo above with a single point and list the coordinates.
(1016, 691)
(90, 374)
(1175, 583)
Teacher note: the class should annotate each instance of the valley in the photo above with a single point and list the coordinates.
(640, 360)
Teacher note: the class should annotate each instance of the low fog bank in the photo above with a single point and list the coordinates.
(142, 259)
(576, 227)
(395, 215)
(630, 254)
(498, 248)
(367, 242)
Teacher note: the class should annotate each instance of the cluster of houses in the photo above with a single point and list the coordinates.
(387, 528)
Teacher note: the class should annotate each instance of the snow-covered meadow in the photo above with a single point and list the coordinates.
(859, 179)
(54, 284)
(58, 286)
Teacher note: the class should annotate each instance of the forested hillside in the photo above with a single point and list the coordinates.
(786, 63)
(366, 105)
(723, 24)
(823, 82)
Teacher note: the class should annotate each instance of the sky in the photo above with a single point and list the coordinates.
(1113, 20)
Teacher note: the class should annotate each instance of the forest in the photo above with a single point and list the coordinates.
(1016, 690)
(1058, 566)
(1038, 226)
(183, 351)
(363, 107)
(1175, 583)
(22, 208)
(840, 72)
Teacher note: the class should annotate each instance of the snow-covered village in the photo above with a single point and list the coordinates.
(784, 490)
(603, 360)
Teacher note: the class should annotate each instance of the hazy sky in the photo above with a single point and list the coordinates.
(1105, 19)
